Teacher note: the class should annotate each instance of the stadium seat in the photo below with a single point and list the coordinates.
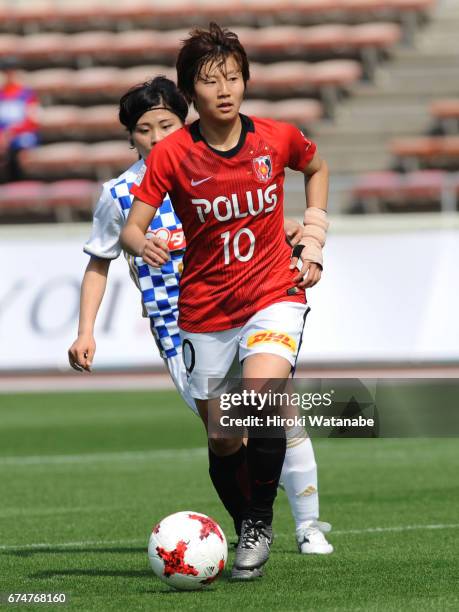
(437, 151)
(44, 47)
(28, 15)
(8, 44)
(22, 195)
(89, 45)
(301, 112)
(97, 83)
(67, 196)
(325, 79)
(55, 122)
(381, 191)
(51, 82)
(147, 44)
(94, 122)
(375, 189)
(55, 160)
(107, 159)
(129, 77)
(411, 150)
(100, 121)
(447, 114)
(423, 186)
(372, 39)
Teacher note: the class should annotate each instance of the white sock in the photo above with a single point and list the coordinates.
(299, 478)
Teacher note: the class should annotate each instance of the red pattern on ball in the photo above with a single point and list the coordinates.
(174, 562)
(208, 526)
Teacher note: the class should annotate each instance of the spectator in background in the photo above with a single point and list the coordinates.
(18, 121)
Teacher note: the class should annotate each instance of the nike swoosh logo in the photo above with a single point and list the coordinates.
(194, 183)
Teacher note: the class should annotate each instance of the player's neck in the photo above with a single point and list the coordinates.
(221, 136)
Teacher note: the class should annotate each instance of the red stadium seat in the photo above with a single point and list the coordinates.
(445, 109)
(377, 35)
(325, 37)
(377, 185)
(447, 114)
(54, 121)
(97, 82)
(148, 44)
(341, 73)
(51, 81)
(77, 193)
(95, 44)
(46, 46)
(423, 185)
(130, 77)
(110, 158)
(9, 43)
(301, 112)
(101, 121)
(270, 40)
(54, 160)
(23, 195)
(31, 13)
(439, 151)
(379, 191)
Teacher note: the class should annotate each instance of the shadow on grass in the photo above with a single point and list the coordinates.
(45, 551)
(94, 572)
(162, 589)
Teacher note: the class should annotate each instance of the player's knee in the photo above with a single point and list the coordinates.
(224, 446)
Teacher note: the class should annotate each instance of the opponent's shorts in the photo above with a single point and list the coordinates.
(212, 358)
(178, 374)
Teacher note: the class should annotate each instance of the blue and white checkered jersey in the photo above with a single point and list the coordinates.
(159, 287)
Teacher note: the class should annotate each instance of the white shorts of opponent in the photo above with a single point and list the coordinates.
(211, 358)
(178, 374)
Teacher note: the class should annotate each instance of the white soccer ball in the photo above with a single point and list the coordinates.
(187, 550)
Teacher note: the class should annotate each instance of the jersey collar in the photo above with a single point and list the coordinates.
(247, 126)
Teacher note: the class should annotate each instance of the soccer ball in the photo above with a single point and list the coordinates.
(187, 550)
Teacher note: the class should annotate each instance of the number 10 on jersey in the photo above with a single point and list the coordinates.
(231, 245)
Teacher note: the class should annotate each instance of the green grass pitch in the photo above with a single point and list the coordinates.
(85, 476)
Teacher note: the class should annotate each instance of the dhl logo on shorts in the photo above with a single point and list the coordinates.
(272, 336)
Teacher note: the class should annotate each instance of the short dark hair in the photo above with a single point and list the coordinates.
(213, 45)
(141, 98)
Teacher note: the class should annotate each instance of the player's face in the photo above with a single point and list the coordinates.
(218, 91)
(153, 126)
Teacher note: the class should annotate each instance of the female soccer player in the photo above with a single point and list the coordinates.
(150, 112)
(225, 176)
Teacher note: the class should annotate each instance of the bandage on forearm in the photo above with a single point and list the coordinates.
(314, 234)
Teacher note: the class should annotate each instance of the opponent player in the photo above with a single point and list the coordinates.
(225, 176)
(150, 112)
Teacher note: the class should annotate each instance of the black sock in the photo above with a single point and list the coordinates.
(265, 457)
(229, 476)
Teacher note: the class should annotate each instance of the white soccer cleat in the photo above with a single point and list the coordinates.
(311, 539)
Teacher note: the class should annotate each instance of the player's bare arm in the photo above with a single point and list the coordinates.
(81, 353)
(153, 250)
(315, 224)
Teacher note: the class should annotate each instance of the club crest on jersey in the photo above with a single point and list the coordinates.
(263, 167)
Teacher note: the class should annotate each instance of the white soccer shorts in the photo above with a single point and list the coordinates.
(178, 374)
(211, 358)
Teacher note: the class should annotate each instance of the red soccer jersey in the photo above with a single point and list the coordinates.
(231, 207)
